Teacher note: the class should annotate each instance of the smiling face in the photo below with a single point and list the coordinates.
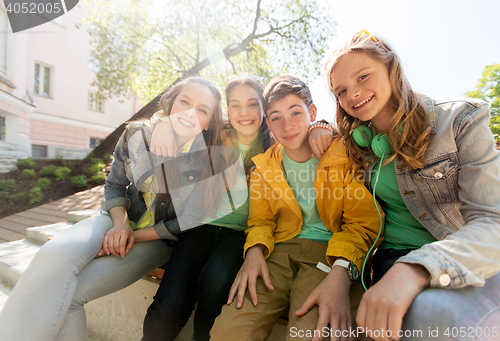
(245, 112)
(289, 119)
(363, 89)
(192, 111)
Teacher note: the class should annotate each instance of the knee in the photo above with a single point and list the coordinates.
(76, 244)
(223, 329)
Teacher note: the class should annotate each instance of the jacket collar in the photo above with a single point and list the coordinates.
(428, 105)
(270, 163)
(273, 157)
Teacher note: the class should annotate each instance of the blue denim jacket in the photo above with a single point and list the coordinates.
(456, 195)
(133, 163)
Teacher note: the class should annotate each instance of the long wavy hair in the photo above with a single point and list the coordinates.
(212, 138)
(265, 138)
(409, 127)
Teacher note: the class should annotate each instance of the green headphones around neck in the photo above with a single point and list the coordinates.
(380, 145)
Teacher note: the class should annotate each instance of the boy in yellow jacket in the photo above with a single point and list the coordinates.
(303, 212)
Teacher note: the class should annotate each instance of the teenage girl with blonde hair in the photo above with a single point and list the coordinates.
(107, 253)
(435, 170)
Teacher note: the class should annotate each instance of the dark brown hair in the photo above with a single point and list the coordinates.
(265, 138)
(282, 86)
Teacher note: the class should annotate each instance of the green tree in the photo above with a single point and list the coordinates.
(144, 48)
(488, 89)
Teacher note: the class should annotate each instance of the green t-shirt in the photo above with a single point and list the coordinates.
(402, 230)
(300, 178)
(233, 210)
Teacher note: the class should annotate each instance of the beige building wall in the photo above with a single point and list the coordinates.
(60, 124)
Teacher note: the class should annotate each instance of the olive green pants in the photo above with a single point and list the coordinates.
(294, 275)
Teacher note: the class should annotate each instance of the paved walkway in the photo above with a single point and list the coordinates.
(14, 226)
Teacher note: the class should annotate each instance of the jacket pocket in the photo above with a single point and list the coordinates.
(438, 180)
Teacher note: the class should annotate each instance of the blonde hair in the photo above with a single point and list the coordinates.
(409, 127)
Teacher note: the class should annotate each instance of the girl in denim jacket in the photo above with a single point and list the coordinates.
(104, 254)
(436, 173)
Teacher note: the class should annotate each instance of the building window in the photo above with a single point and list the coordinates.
(2, 128)
(94, 64)
(94, 142)
(38, 151)
(43, 74)
(95, 102)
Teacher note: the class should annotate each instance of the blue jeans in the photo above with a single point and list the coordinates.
(464, 314)
(47, 301)
(384, 259)
(201, 270)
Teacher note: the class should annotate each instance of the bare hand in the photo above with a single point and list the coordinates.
(119, 240)
(320, 140)
(163, 140)
(332, 297)
(253, 266)
(385, 304)
(101, 253)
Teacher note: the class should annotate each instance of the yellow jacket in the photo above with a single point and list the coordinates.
(345, 205)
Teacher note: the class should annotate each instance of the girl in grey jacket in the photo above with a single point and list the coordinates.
(146, 199)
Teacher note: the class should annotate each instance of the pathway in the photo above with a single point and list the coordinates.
(14, 227)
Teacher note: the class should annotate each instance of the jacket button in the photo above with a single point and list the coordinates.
(438, 175)
(444, 280)
(191, 177)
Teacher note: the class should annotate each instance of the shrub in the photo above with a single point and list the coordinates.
(7, 185)
(35, 195)
(48, 170)
(28, 173)
(26, 163)
(19, 195)
(43, 183)
(99, 177)
(79, 181)
(95, 160)
(61, 173)
(106, 158)
(95, 169)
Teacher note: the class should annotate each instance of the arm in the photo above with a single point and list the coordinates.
(120, 239)
(320, 137)
(360, 221)
(385, 304)
(115, 188)
(163, 138)
(472, 254)
(261, 219)
(145, 235)
(361, 225)
(464, 257)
